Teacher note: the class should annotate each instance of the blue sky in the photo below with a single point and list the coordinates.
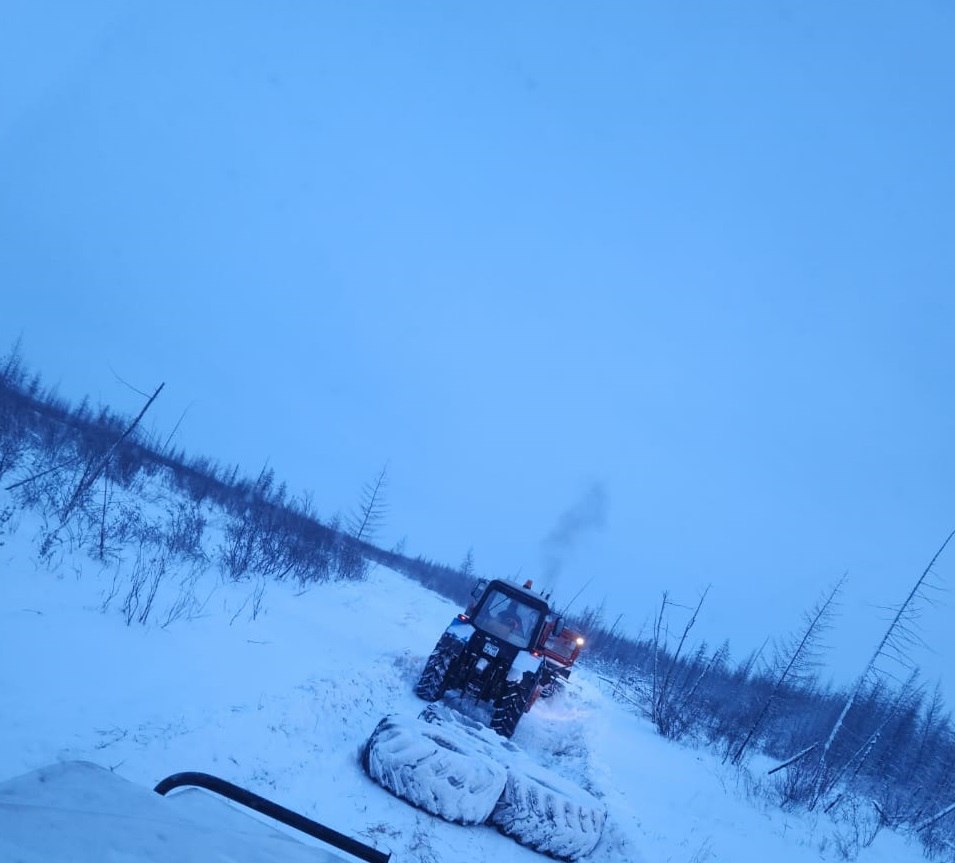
(644, 295)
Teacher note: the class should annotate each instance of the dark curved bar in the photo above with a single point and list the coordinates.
(273, 810)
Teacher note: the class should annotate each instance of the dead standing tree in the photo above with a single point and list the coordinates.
(665, 697)
(370, 516)
(362, 526)
(794, 662)
(899, 636)
(92, 472)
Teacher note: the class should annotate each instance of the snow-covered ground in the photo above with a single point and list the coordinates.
(283, 704)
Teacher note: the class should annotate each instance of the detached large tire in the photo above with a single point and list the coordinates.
(549, 814)
(476, 734)
(435, 769)
(512, 704)
(435, 677)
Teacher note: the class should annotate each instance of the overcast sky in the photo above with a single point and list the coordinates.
(629, 296)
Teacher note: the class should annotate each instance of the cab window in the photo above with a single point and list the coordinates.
(507, 618)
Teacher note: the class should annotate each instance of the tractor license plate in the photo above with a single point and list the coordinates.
(491, 649)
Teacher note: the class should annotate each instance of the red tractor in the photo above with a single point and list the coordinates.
(508, 648)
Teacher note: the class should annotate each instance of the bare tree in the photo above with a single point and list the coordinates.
(796, 661)
(908, 696)
(370, 516)
(94, 469)
(898, 638)
(664, 700)
(467, 565)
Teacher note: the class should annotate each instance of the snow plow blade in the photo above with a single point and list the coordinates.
(457, 769)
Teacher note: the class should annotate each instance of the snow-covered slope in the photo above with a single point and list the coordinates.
(283, 704)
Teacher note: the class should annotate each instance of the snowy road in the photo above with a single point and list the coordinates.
(285, 703)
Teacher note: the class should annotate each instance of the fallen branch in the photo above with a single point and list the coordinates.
(794, 759)
(928, 822)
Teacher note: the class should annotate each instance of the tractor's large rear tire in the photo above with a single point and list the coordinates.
(549, 814)
(435, 677)
(512, 704)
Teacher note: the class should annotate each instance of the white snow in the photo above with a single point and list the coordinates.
(79, 811)
(283, 705)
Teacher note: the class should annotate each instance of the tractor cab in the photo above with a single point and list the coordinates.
(511, 613)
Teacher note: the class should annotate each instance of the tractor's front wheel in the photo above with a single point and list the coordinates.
(513, 702)
(435, 677)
